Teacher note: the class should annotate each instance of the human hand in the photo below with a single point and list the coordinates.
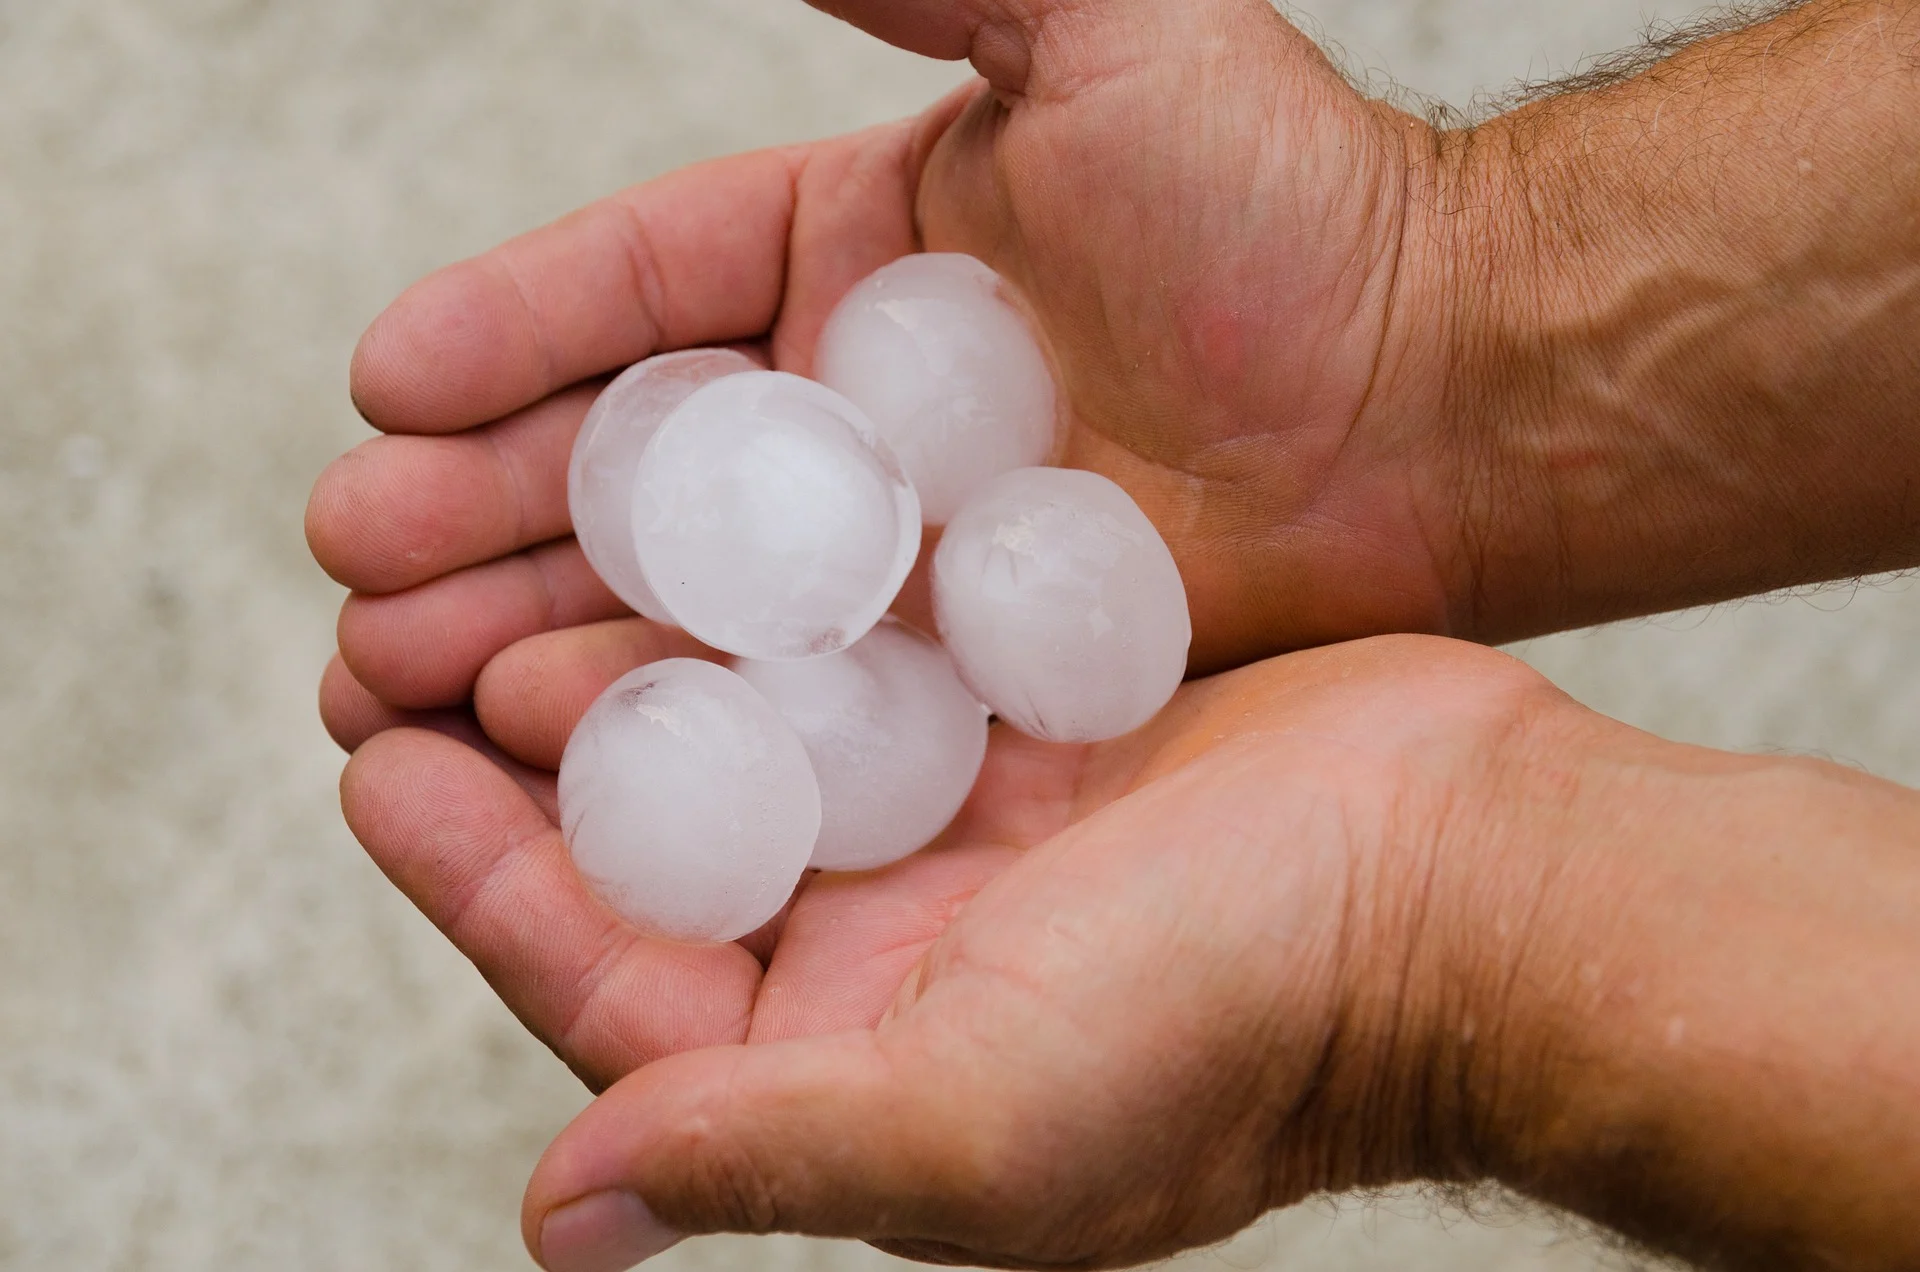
(1228, 358)
(1365, 375)
(1378, 912)
(1205, 935)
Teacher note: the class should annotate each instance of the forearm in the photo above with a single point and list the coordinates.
(1688, 324)
(1716, 984)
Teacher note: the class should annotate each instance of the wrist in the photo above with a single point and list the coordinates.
(1680, 335)
(1417, 1079)
(1706, 975)
(1475, 285)
(1606, 483)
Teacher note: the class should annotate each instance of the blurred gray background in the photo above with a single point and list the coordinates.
(225, 1042)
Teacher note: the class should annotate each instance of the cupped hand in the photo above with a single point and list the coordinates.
(1213, 233)
(1138, 993)
(1141, 993)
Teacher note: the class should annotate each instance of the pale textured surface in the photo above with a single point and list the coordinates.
(1061, 605)
(770, 520)
(225, 1042)
(687, 802)
(606, 455)
(895, 739)
(949, 372)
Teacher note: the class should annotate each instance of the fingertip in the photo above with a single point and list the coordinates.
(348, 711)
(817, 1135)
(361, 778)
(530, 695)
(944, 32)
(336, 516)
(382, 648)
(426, 646)
(607, 1232)
(418, 781)
(452, 352)
(630, 1137)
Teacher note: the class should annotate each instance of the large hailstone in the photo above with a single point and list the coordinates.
(895, 739)
(1061, 605)
(948, 371)
(689, 805)
(769, 519)
(607, 451)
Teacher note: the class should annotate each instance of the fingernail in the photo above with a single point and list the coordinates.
(602, 1232)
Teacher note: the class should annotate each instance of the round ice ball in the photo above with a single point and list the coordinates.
(896, 741)
(769, 519)
(689, 805)
(1061, 605)
(607, 451)
(948, 371)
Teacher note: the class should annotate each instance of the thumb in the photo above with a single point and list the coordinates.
(996, 35)
(832, 1136)
(1013, 42)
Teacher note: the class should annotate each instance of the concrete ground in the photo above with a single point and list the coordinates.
(225, 1042)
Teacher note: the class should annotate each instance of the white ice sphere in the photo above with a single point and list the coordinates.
(689, 805)
(896, 741)
(1061, 605)
(948, 371)
(607, 451)
(769, 519)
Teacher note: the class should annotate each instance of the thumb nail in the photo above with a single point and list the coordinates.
(602, 1232)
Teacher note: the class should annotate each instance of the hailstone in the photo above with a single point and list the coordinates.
(948, 371)
(895, 739)
(769, 519)
(1061, 605)
(689, 805)
(607, 451)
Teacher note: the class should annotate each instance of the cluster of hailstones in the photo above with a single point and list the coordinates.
(775, 519)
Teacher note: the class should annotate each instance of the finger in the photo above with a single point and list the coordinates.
(696, 257)
(396, 511)
(945, 29)
(529, 697)
(1012, 43)
(853, 213)
(531, 694)
(353, 716)
(835, 1136)
(484, 863)
(426, 646)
